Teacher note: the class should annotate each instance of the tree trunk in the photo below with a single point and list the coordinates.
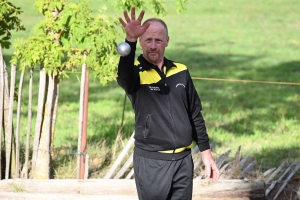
(9, 132)
(18, 126)
(1, 105)
(6, 121)
(39, 116)
(26, 164)
(53, 120)
(42, 167)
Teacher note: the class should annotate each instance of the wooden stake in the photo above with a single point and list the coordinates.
(248, 168)
(84, 125)
(222, 158)
(112, 170)
(18, 126)
(125, 167)
(130, 174)
(276, 172)
(287, 180)
(10, 121)
(29, 118)
(279, 180)
(80, 123)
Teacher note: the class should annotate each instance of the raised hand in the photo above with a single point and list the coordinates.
(133, 26)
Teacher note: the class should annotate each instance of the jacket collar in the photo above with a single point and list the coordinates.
(147, 65)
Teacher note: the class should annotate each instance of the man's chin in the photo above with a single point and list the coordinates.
(152, 59)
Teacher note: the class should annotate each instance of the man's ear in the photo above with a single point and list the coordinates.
(168, 39)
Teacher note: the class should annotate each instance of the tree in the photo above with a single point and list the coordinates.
(157, 5)
(69, 36)
(68, 32)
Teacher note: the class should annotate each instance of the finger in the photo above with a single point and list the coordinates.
(145, 26)
(141, 16)
(122, 22)
(216, 175)
(207, 172)
(126, 16)
(133, 13)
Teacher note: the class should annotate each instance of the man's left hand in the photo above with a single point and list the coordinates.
(211, 169)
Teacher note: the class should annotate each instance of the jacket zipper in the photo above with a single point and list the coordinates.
(164, 78)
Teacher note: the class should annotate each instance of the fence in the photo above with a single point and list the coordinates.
(277, 181)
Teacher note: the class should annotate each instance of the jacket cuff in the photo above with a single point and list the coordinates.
(203, 146)
(132, 51)
(131, 44)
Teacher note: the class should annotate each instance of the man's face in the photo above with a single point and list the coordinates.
(153, 42)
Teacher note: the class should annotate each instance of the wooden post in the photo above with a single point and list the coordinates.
(18, 126)
(84, 126)
(10, 122)
(80, 123)
(26, 165)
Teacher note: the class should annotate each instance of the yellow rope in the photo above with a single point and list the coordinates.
(245, 81)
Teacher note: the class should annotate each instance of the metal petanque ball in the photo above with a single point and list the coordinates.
(123, 49)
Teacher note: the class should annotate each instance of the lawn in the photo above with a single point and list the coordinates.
(238, 39)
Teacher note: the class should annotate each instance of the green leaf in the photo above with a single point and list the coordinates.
(5, 44)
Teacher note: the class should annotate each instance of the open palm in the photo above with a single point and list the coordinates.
(133, 26)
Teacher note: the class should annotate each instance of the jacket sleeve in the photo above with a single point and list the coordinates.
(128, 77)
(200, 135)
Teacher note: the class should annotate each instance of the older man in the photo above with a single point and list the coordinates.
(167, 114)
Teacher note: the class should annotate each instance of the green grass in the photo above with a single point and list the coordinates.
(239, 39)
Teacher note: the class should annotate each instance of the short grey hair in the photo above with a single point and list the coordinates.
(158, 20)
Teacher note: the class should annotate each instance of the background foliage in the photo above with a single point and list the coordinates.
(9, 21)
(239, 39)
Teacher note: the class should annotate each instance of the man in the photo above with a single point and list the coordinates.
(167, 114)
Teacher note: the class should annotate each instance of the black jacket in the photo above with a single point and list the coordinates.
(166, 105)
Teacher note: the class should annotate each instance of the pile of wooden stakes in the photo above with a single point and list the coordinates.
(276, 180)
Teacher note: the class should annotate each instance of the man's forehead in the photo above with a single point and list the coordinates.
(156, 28)
(156, 24)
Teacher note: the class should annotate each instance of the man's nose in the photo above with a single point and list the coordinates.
(153, 45)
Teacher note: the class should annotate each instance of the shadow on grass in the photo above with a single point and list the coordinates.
(267, 156)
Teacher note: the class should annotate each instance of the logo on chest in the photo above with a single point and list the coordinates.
(154, 88)
(180, 84)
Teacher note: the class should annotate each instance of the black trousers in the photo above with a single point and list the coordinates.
(163, 179)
